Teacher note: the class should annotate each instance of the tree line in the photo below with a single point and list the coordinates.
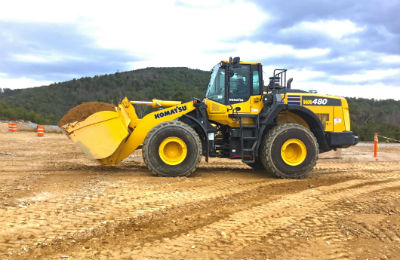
(47, 104)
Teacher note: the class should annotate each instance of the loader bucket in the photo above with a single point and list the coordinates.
(100, 134)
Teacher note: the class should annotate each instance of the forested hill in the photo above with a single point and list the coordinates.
(369, 116)
(48, 104)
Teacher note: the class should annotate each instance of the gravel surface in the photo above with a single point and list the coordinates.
(57, 204)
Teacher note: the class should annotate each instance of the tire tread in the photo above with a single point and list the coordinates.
(154, 131)
(266, 152)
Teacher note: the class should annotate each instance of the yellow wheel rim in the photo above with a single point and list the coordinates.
(172, 150)
(293, 152)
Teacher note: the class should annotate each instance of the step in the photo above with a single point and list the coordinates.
(248, 161)
(243, 115)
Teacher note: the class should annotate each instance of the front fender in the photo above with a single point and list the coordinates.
(143, 127)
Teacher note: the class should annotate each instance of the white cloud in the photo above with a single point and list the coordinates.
(304, 75)
(376, 91)
(355, 58)
(21, 82)
(45, 11)
(195, 34)
(163, 32)
(157, 32)
(44, 57)
(334, 28)
(390, 59)
(367, 75)
(181, 36)
(261, 50)
(311, 80)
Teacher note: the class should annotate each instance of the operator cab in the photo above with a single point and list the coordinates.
(234, 81)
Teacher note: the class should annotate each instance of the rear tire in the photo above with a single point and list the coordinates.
(172, 149)
(289, 151)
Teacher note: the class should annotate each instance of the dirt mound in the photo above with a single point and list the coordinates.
(83, 111)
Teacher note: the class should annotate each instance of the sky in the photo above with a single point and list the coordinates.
(341, 47)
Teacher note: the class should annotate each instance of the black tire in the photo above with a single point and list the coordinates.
(271, 156)
(153, 141)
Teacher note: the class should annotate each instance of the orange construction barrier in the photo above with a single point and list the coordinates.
(40, 130)
(375, 145)
(12, 127)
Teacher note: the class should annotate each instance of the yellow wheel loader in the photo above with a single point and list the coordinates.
(273, 128)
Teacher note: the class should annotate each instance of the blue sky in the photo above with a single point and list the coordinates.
(341, 47)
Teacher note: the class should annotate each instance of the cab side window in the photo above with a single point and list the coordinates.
(256, 83)
(216, 89)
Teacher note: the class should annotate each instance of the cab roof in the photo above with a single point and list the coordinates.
(243, 62)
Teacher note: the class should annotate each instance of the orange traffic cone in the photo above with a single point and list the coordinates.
(12, 127)
(40, 130)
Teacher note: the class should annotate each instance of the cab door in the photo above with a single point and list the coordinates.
(242, 94)
(239, 88)
(245, 89)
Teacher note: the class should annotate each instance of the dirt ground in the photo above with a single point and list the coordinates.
(57, 204)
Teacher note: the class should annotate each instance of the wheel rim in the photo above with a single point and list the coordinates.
(293, 152)
(172, 150)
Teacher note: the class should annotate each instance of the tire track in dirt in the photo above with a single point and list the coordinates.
(245, 227)
(180, 219)
(11, 188)
(152, 204)
(361, 170)
(102, 211)
(373, 219)
(111, 208)
(326, 229)
(31, 184)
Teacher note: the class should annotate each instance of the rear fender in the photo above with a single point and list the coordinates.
(314, 123)
(307, 115)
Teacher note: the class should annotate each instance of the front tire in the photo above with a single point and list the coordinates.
(172, 149)
(289, 151)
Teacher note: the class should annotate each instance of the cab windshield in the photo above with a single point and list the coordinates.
(216, 87)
